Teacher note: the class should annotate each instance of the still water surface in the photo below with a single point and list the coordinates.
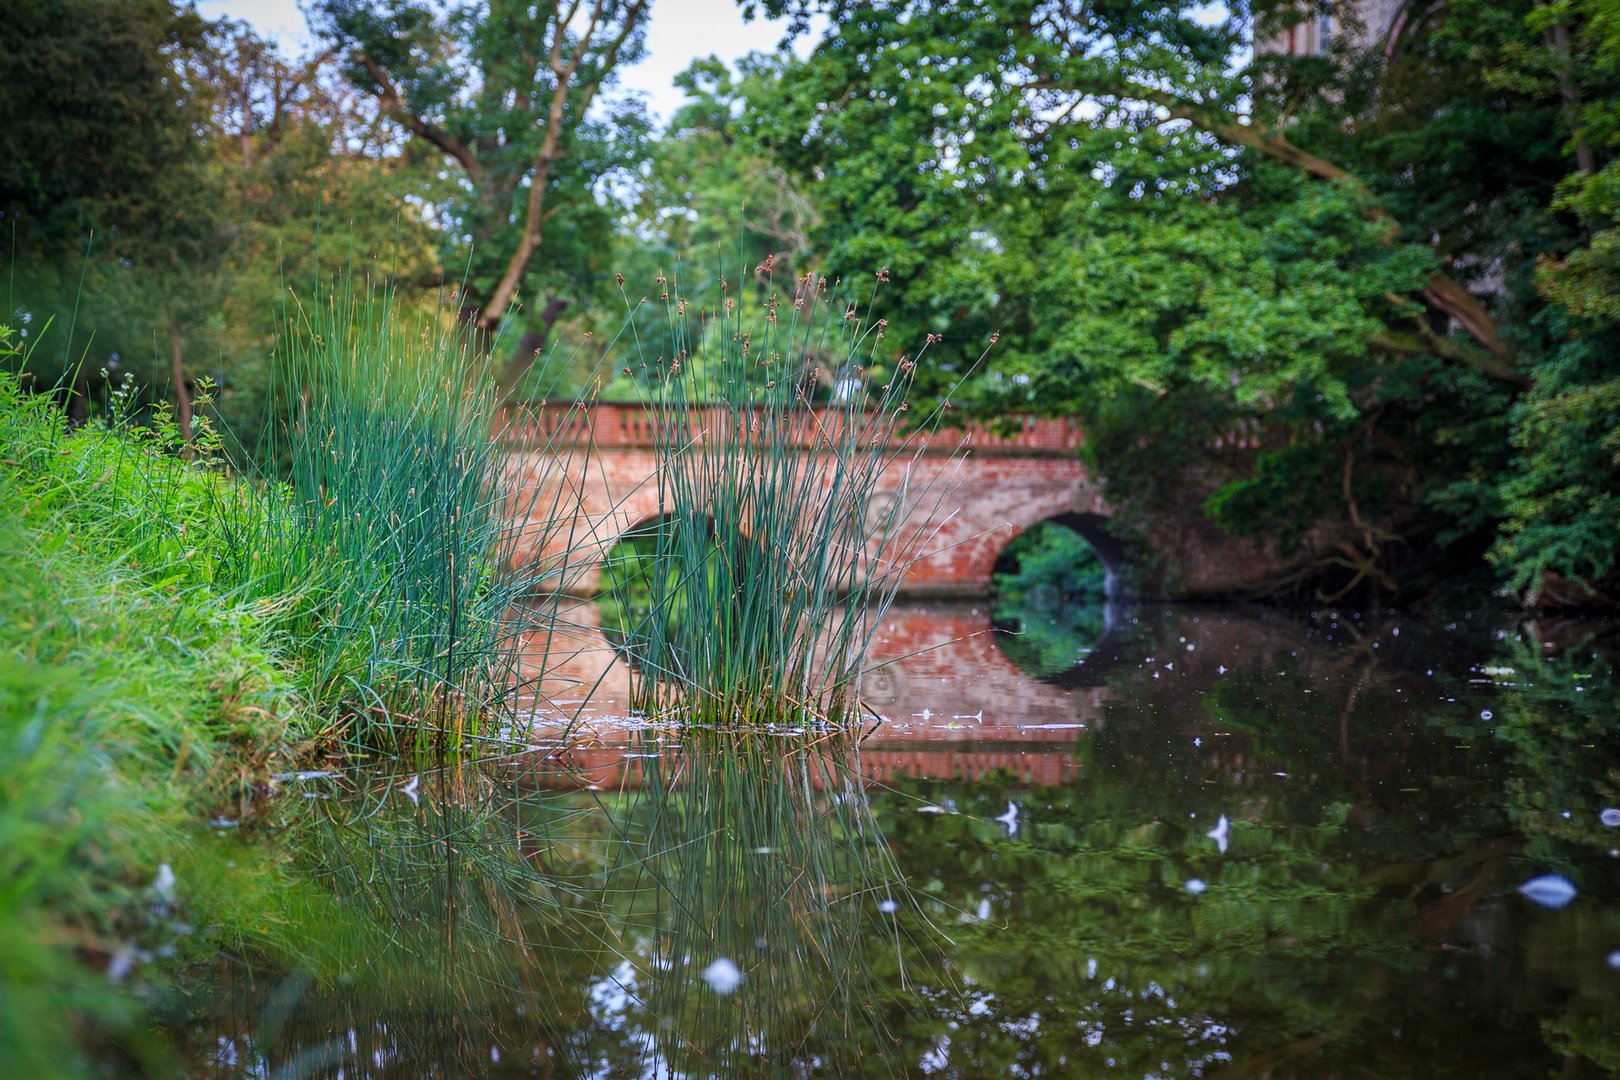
(1132, 842)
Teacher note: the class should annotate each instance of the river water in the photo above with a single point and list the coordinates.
(1142, 841)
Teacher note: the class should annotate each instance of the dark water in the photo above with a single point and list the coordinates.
(1178, 843)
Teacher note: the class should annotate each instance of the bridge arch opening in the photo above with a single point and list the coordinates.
(1077, 543)
(667, 562)
(628, 580)
(1052, 593)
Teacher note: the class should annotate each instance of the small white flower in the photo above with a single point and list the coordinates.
(163, 884)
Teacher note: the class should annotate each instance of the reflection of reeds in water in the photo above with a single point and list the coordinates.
(425, 939)
(569, 933)
(774, 511)
(775, 944)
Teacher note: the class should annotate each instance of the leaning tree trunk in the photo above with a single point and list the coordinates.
(182, 399)
(529, 346)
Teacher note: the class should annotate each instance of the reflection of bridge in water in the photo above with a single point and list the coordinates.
(997, 487)
(951, 705)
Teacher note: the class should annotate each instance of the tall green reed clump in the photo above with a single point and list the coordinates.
(787, 526)
(397, 557)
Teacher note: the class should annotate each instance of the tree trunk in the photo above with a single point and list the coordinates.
(79, 402)
(182, 398)
(529, 346)
(1585, 160)
(244, 97)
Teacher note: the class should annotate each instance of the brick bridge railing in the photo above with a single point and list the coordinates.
(608, 425)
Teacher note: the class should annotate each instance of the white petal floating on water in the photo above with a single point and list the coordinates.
(1195, 885)
(409, 790)
(163, 884)
(888, 907)
(1610, 817)
(1010, 819)
(1549, 890)
(723, 976)
(1221, 833)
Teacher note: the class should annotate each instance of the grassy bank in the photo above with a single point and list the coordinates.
(138, 701)
(173, 637)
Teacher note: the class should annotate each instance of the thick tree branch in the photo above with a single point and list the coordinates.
(536, 214)
(529, 346)
(1442, 292)
(388, 97)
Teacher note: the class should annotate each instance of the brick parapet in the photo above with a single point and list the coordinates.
(607, 425)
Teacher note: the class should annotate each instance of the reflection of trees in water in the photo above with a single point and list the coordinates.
(1047, 641)
(489, 928)
(738, 857)
(1363, 920)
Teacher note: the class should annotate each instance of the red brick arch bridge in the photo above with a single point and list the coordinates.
(994, 489)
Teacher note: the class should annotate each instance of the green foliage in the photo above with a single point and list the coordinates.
(1562, 512)
(1224, 261)
(135, 699)
(507, 94)
(713, 195)
(1052, 559)
(627, 586)
(93, 134)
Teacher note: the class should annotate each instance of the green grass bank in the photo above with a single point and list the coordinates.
(139, 701)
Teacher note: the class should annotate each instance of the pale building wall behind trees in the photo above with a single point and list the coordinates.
(1367, 22)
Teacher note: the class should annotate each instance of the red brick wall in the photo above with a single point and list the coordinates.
(971, 492)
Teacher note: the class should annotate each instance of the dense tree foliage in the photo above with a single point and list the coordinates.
(1322, 299)
(505, 91)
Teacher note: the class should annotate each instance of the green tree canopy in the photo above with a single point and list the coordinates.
(1295, 292)
(508, 95)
